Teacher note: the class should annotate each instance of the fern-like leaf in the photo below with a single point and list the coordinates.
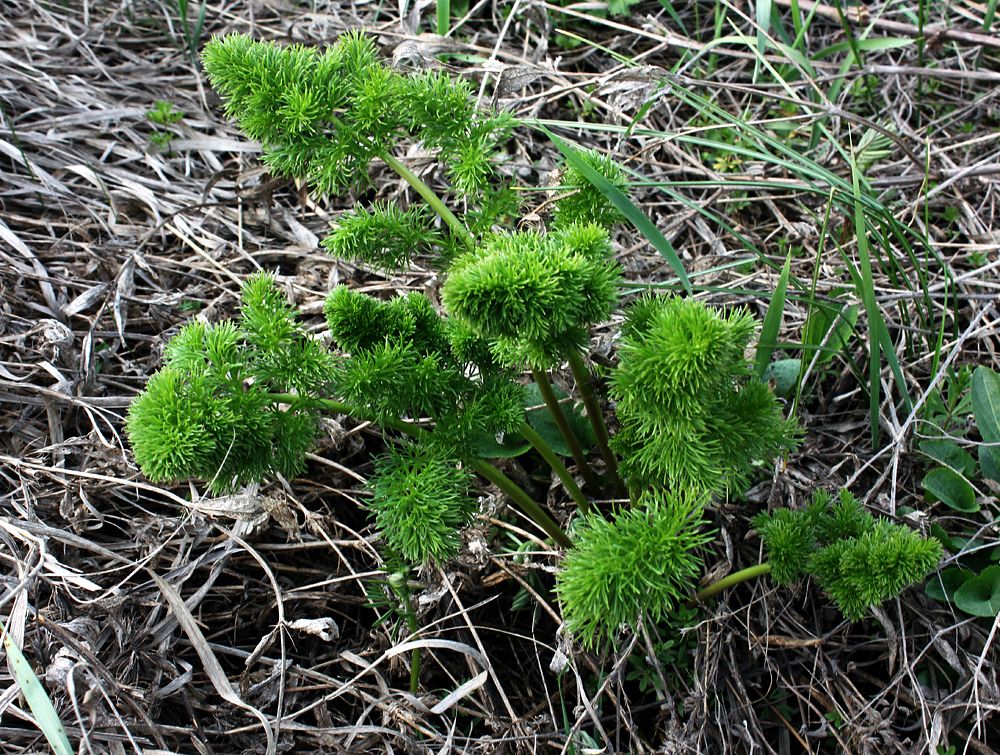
(385, 236)
(644, 561)
(535, 296)
(421, 501)
(583, 202)
(690, 414)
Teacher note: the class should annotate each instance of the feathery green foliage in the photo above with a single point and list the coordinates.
(864, 571)
(324, 116)
(691, 415)
(385, 236)
(408, 361)
(585, 203)
(237, 401)
(644, 561)
(210, 414)
(421, 501)
(535, 296)
(858, 560)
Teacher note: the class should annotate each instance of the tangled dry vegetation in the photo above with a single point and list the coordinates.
(164, 620)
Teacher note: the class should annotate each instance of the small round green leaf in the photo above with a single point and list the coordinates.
(783, 374)
(942, 586)
(949, 487)
(486, 446)
(986, 403)
(980, 596)
(944, 538)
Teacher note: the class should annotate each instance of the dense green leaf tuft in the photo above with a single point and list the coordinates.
(534, 296)
(690, 413)
(583, 202)
(385, 236)
(211, 412)
(421, 501)
(324, 116)
(860, 561)
(643, 561)
(864, 571)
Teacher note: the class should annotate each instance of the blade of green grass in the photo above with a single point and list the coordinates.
(772, 321)
(879, 341)
(38, 701)
(763, 18)
(625, 205)
(443, 17)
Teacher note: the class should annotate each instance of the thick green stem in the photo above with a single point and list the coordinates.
(525, 501)
(443, 17)
(585, 383)
(425, 191)
(757, 570)
(486, 470)
(558, 467)
(552, 402)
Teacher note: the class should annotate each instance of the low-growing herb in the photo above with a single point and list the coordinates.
(238, 401)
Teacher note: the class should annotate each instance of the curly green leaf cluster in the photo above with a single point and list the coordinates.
(407, 361)
(691, 415)
(643, 561)
(421, 501)
(535, 296)
(205, 418)
(385, 236)
(282, 354)
(858, 560)
(359, 322)
(323, 116)
(210, 413)
(585, 203)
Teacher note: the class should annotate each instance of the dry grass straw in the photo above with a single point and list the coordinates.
(108, 243)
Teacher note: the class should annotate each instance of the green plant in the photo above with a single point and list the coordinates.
(973, 585)
(238, 401)
(672, 665)
(191, 32)
(947, 409)
(163, 114)
(858, 560)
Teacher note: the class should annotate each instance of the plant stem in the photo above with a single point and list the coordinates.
(585, 383)
(549, 396)
(757, 570)
(558, 467)
(399, 583)
(425, 191)
(522, 499)
(486, 470)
